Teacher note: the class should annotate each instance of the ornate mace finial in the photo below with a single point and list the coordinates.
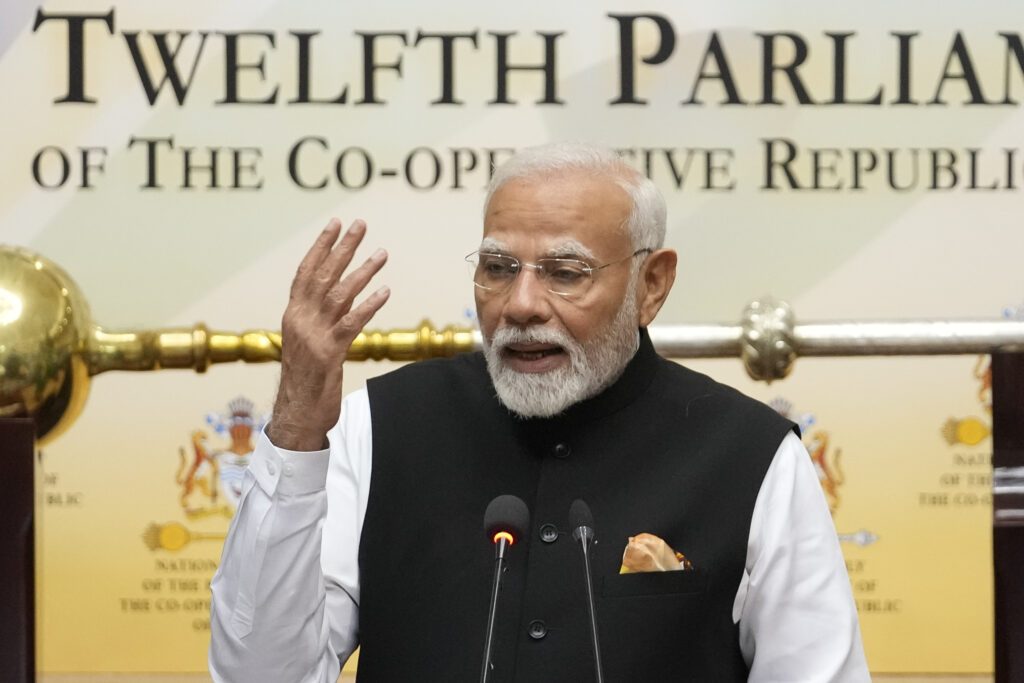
(767, 345)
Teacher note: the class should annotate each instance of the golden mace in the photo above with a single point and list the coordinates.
(50, 347)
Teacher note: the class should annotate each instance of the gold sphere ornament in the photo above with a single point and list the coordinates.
(44, 330)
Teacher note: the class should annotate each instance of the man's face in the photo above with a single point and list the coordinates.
(544, 351)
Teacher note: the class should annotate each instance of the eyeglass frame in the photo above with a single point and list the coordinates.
(536, 267)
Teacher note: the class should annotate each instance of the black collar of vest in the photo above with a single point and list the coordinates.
(633, 381)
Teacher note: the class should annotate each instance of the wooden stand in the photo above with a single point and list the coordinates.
(17, 550)
(1008, 513)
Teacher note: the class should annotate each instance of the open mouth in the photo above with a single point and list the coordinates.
(532, 352)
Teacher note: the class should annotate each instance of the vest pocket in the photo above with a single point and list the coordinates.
(656, 626)
(654, 583)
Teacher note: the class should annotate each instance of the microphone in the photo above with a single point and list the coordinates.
(505, 522)
(581, 521)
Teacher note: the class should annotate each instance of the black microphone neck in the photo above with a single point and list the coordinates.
(582, 520)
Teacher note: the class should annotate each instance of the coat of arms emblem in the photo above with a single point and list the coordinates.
(210, 477)
(209, 474)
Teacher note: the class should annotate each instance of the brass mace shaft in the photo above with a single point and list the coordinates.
(50, 347)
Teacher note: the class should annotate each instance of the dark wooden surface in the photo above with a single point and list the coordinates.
(1008, 514)
(17, 550)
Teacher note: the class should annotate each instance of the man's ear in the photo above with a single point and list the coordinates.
(656, 277)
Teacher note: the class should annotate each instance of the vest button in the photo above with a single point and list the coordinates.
(561, 450)
(549, 533)
(537, 629)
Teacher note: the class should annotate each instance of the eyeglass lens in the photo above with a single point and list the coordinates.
(497, 272)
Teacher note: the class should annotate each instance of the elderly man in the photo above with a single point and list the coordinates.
(363, 526)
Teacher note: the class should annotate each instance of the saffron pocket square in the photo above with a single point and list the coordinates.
(648, 553)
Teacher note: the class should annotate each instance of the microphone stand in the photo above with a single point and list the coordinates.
(501, 543)
(585, 535)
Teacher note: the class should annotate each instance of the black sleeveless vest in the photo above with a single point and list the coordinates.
(664, 450)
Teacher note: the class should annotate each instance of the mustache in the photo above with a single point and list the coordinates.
(504, 336)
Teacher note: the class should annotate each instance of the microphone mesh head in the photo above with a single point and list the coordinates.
(579, 515)
(506, 513)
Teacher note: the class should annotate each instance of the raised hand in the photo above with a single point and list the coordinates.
(318, 326)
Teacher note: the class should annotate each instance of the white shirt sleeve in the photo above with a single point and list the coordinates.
(286, 595)
(794, 606)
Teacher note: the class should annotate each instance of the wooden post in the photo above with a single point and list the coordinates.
(1008, 513)
(17, 550)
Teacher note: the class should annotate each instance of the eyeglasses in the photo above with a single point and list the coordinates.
(570, 278)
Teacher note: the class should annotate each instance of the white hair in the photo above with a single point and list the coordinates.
(646, 221)
(593, 365)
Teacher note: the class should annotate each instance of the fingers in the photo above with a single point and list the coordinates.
(353, 322)
(335, 263)
(320, 299)
(325, 261)
(317, 253)
(339, 298)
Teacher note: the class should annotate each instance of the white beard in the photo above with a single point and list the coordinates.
(592, 366)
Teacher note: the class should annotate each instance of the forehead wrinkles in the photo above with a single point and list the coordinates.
(570, 204)
(537, 204)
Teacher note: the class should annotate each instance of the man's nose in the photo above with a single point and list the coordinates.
(528, 300)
